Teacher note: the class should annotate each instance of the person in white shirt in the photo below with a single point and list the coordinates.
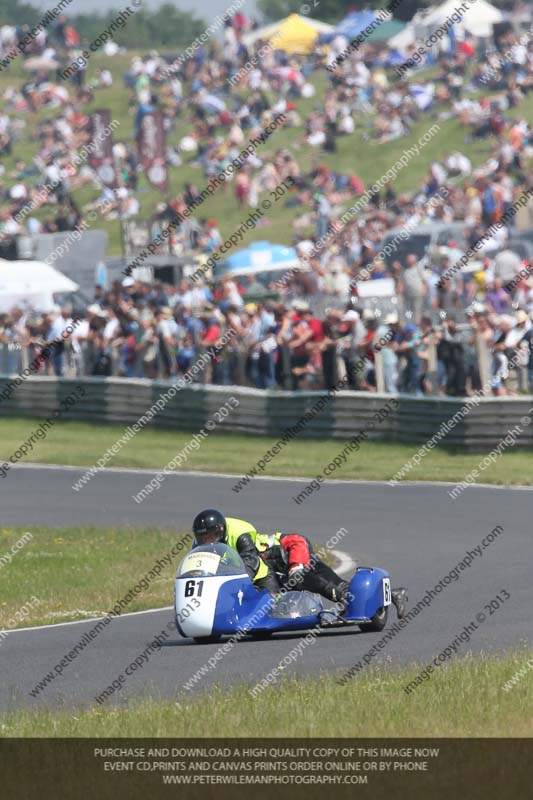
(105, 78)
(230, 45)
(111, 328)
(57, 335)
(168, 333)
(231, 294)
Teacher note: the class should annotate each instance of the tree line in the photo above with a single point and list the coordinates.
(165, 26)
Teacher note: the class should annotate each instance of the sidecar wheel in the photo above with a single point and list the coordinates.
(378, 621)
(207, 639)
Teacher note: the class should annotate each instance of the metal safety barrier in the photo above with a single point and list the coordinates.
(272, 412)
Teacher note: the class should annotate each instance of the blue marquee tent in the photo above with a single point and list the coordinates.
(356, 21)
(259, 257)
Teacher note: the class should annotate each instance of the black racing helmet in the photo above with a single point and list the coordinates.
(209, 527)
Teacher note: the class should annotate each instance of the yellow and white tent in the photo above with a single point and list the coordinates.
(294, 34)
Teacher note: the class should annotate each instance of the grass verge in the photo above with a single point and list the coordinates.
(465, 699)
(79, 573)
(82, 444)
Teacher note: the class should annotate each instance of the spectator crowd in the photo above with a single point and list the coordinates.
(447, 333)
(158, 331)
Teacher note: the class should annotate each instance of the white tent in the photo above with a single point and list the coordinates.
(404, 39)
(31, 284)
(477, 20)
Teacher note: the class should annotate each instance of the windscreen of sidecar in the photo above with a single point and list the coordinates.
(211, 559)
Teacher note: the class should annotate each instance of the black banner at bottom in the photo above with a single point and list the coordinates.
(68, 769)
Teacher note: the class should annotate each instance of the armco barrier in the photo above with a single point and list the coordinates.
(123, 401)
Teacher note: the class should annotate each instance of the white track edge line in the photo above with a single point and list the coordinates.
(84, 621)
(293, 479)
(345, 563)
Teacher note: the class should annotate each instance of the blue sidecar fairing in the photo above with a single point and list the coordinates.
(215, 597)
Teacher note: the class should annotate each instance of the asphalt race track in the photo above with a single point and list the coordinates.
(416, 531)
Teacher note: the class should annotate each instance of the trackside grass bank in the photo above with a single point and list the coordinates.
(82, 444)
(466, 698)
(80, 573)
